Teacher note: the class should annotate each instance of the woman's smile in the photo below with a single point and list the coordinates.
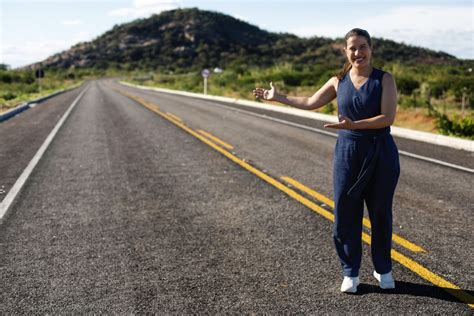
(358, 51)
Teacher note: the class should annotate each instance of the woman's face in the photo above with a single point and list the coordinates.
(358, 51)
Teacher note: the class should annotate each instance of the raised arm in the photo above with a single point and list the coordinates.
(388, 110)
(326, 94)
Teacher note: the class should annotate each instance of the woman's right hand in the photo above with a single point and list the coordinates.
(269, 95)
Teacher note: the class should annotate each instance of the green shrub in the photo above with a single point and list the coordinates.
(406, 85)
(291, 79)
(463, 127)
(329, 108)
(8, 95)
(438, 88)
(405, 102)
(5, 77)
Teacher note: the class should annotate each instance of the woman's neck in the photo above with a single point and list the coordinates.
(363, 72)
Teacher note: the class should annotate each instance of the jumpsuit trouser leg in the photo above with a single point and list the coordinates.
(348, 234)
(378, 195)
(379, 200)
(348, 210)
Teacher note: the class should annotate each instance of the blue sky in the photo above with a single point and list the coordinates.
(32, 30)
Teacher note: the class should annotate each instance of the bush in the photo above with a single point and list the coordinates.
(407, 85)
(329, 108)
(291, 79)
(5, 77)
(438, 88)
(405, 102)
(463, 127)
(28, 78)
(8, 96)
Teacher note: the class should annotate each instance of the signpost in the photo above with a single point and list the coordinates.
(205, 74)
(39, 73)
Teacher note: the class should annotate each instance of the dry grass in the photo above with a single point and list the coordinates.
(8, 105)
(416, 119)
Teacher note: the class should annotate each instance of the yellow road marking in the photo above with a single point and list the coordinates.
(151, 104)
(215, 139)
(429, 276)
(402, 259)
(366, 222)
(174, 116)
(435, 279)
(310, 191)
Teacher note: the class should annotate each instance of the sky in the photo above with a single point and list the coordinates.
(32, 30)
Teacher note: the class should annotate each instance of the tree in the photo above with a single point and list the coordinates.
(406, 85)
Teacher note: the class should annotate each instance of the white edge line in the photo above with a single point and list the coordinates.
(8, 200)
(440, 162)
(266, 117)
(440, 140)
(33, 103)
(401, 152)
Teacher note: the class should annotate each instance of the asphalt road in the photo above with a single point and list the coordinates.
(128, 213)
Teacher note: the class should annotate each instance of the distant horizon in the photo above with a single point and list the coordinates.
(57, 25)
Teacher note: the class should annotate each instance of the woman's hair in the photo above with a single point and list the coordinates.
(354, 32)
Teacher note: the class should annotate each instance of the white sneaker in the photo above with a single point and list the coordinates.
(349, 284)
(386, 280)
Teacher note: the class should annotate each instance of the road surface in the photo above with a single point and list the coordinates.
(150, 202)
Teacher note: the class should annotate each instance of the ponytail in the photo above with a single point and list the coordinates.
(345, 69)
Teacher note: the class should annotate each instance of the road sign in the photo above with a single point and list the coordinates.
(39, 73)
(205, 73)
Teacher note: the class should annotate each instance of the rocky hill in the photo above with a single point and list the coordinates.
(187, 39)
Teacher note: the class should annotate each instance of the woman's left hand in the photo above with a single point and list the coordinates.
(344, 123)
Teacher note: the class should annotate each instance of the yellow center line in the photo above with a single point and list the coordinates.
(429, 276)
(151, 105)
(308, 190)
(366, 222)
(402, 259)
(174, 116)
(435, 279)
(215, 139)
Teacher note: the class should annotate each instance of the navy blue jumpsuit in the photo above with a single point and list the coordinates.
(366, 168)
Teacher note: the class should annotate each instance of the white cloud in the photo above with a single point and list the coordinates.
(71, 22)
(148, 3)
(121, 12)
(34, 51)
(144, 8)
(239, 17)
(31, 52)
(80, 37)
(449, 29)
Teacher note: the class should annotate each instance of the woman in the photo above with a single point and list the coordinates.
(366, 163)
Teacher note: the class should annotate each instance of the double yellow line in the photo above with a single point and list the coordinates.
(397, 256)
(366, 222)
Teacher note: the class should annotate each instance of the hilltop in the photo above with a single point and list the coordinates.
(190, 39)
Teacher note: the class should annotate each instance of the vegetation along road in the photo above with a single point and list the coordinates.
(151, 202)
